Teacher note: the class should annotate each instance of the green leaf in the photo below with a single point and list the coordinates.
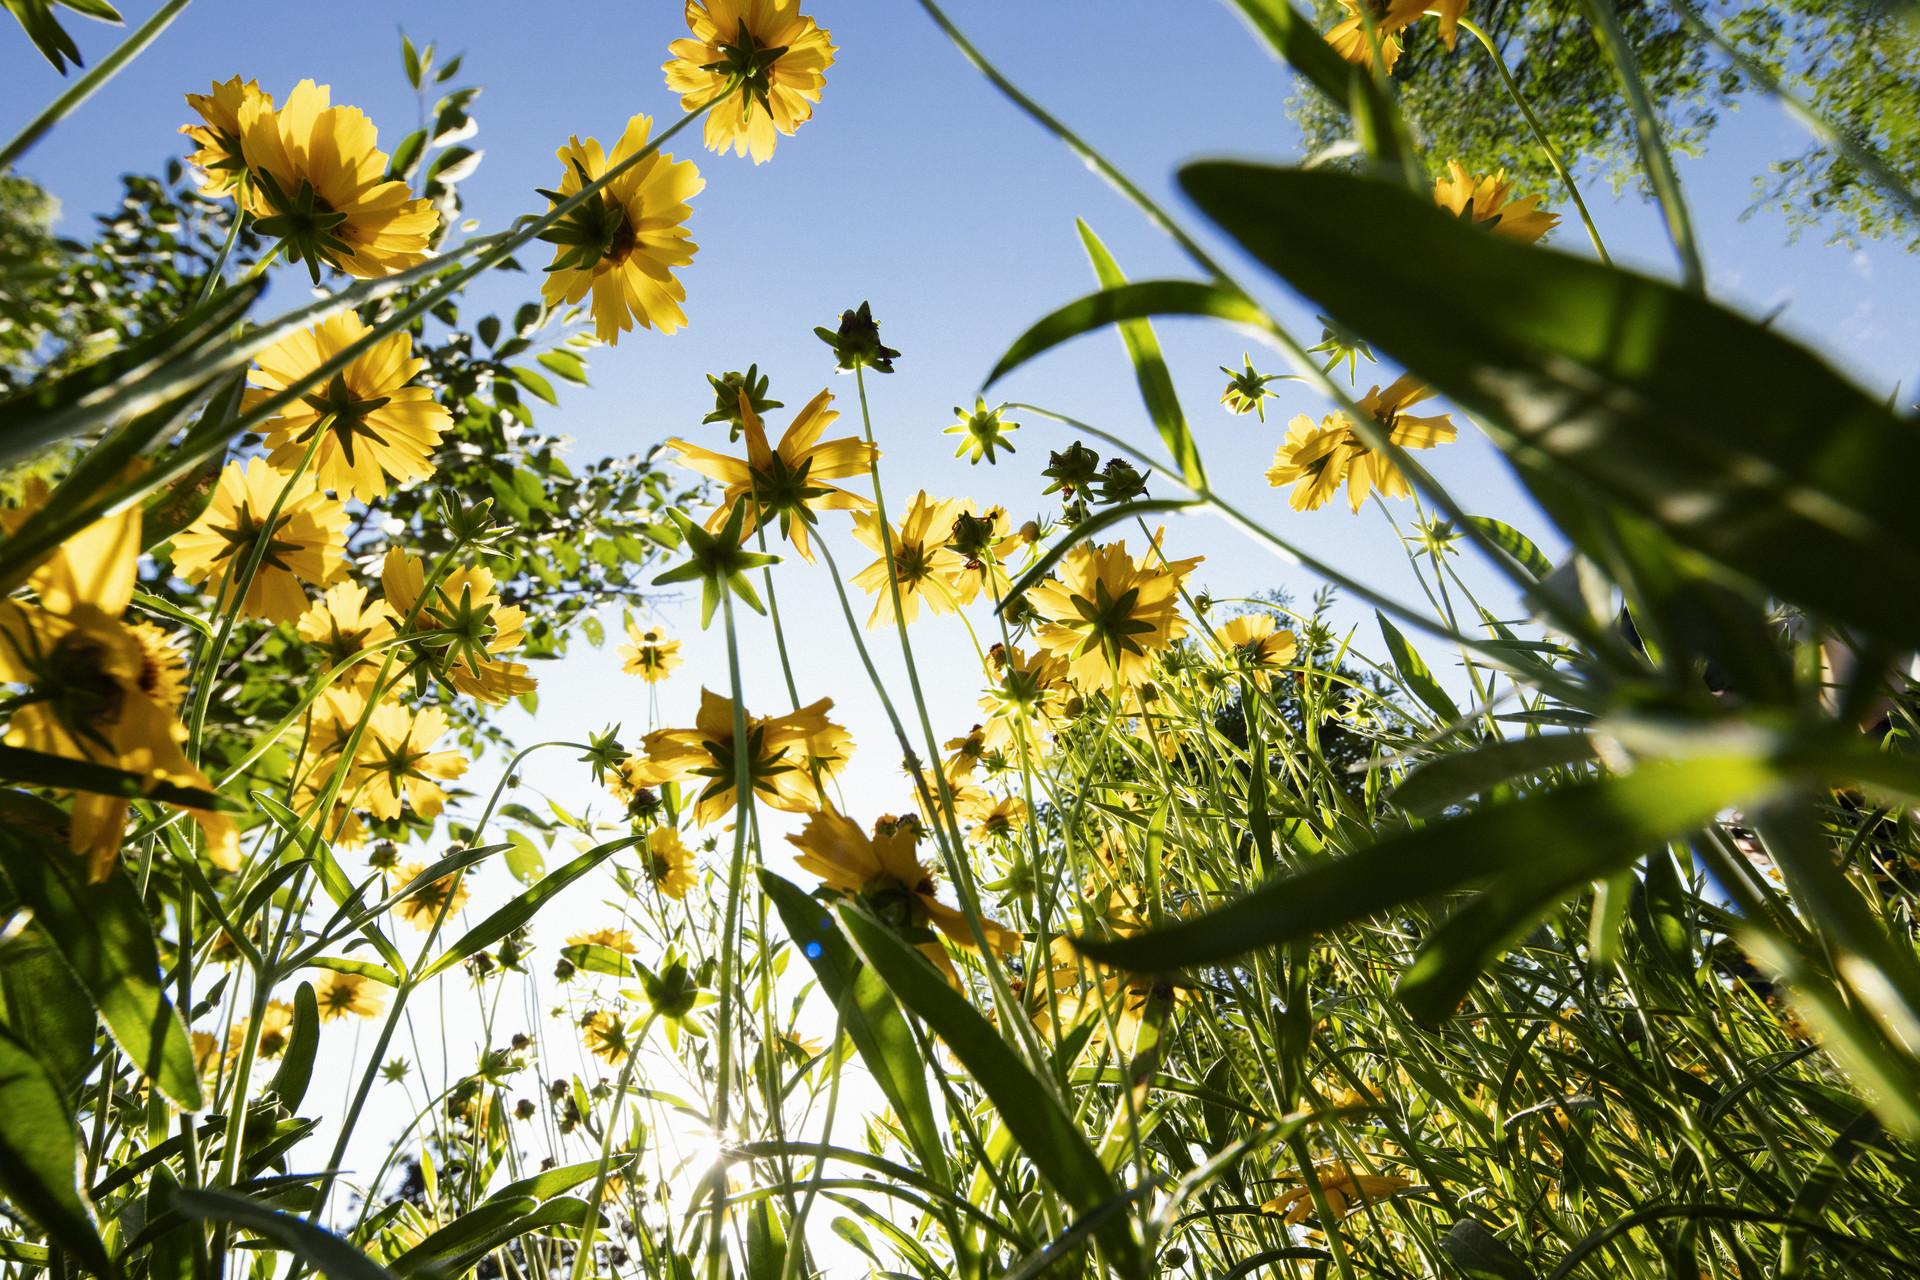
(1415, 674)
(55, 408)
(1456, 776)
(1150, 370)
(1515, 544)
(410, 58)
(1294, 37)
(564, 364)
(521, 909)
(332, 878)
(46, 1008)
(1126, 302)
(1792, 477)
(873, 1019)
(406, 158)
(17, 764)
(1575, 833)
(553, 1182)
(105, 935)
(1042, 1128)
(453, 1249)
(1481, 1254)
(296, 1069)
(41, 1158)
(1461, 948)
(524, 859)
(322, 1250)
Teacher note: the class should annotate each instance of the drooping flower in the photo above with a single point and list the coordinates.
(612, 939)
(924, 565)
(1104, 613)
(1344, 1189)
(606, 1036)
(217, 157)
(786, 483)
(623, 244)
(979, 542)
(779, 55)
(782, 754)
(319, 185)
(342, 624)
(341, 995)
(306, 542)
(1313, 459)
(651, 656)
(993, 817)
(276, 1032)
(1247, 389)
(378, 425)
(476, 626)
(1255, 643)
(95, 688)
(1485, 201)
(669, 862)
(981, 431)
(1390, 18)
(1373, 468)
(397, 762)
(883, 871)
(425, 905)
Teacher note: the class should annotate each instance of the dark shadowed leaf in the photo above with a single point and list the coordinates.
(1644, 394)
(40, 1156)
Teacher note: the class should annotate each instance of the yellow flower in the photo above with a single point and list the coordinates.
(397, 762)
(606, 1037)
(1026, 702)
(612, 939)
(993, 817)
(347, 994)
(466, 605)
(425, 905)
(1255, 642)
(883, 871)
(1390, 18)
(206, 1053)
(1316, 459)
(217, 158)
(926, 567)
(1312, 459)
(276, 1032)
(784, 750)
(1483, 200)
(785, 482)
(305, 544)
(1372, 468)
(651, 656)
(1104, 614)
(670, 862)
(342, 623)
(378, 424)
(623, 244)
(1345, 1190)
(963, 755)
(97, 689)
(780, 55)
(320, 186)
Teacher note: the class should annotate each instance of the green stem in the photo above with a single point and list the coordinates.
(1539, 135)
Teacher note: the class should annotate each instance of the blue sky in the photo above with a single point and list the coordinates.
(919, 188)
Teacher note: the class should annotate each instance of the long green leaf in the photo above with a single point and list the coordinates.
(1150, 370)
(1122, 303)
(873, 1020)
(1415, 674)
(1046, 1134)
(104, 934)
(320, 1249)
(1581, 831)
(37, 768)
(1455, 776)
(41, 1158)
(295, 1073)
(522, 907)
(1651, 398)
